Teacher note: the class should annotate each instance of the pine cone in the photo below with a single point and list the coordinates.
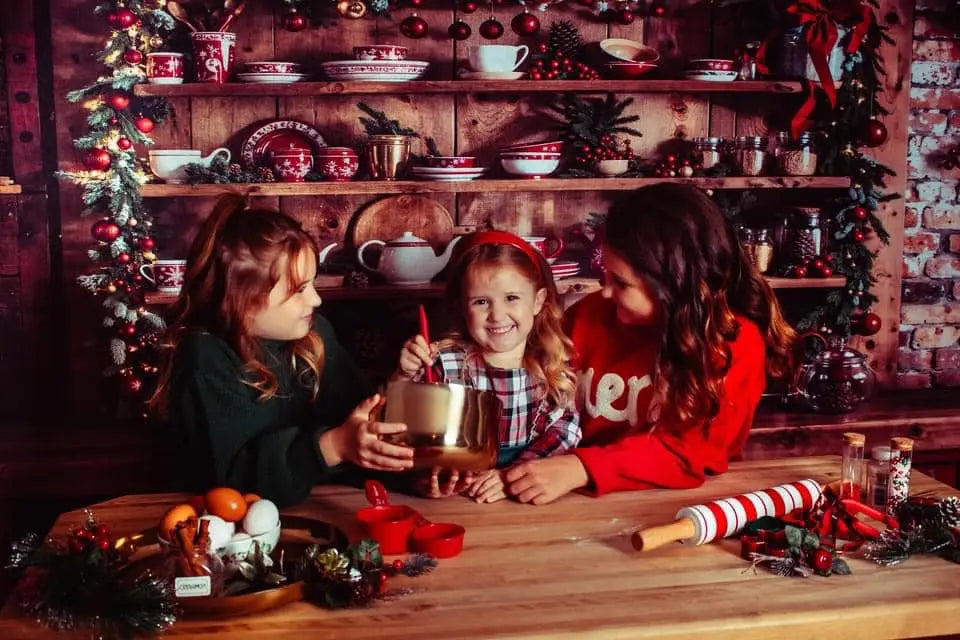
(565, 38)
(951, 511)
(801, 247)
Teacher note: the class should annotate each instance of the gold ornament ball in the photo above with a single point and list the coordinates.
(149, 255)
(353, 9)
(111, 288)
(132, 222)
(155, 42)
(686, 172)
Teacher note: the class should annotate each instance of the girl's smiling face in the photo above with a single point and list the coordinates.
(501, 304)
(636, 303)
(288, 314)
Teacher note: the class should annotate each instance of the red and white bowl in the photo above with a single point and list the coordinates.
(710, 64)
(374, 71)
(337, 164)
(525, 155)
(345, 152)
(627, 70)
(529, 168)
(450, 162)
(622, 49)
(551, 146)
(271, 67)
(380, 52)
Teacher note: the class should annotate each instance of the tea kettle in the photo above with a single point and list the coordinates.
(407, 260)
(836, 380)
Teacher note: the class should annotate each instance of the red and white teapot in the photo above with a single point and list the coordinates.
(407, 260)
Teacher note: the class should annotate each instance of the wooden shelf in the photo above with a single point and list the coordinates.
(435, 289)
(10, 190)
(376, 187)
(237, 89)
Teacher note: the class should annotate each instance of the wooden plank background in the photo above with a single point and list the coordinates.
(465, 124)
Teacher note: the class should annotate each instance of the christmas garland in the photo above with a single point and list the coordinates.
(118, 120)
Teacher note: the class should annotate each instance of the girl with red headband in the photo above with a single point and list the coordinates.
(506, 337)
(671, 354)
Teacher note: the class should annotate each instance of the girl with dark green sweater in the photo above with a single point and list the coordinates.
(256, 384)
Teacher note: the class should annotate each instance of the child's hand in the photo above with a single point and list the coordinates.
(442, 483)
(488, 486)
(359, 441)
(415, 355)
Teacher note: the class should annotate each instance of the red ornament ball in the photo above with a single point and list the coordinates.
(799, 272)
(398, 565)
(414, 27)
(860, 213)
(294, 21)
(459, 30)
(132, 385)
(128, 331)
(859, 235)
(468, 6)
(132, 56)
(525, 24)
(144, 124)
(97, 159)
(658, 9)
(826, 271)
(625, 16)
(817, 263)
(147, 243)
(105, 231)
(821, 559)
(112, 19)
(869, 324)
(125, 18)
(874, 133)
(415, 3)
(491, 29)
(119, 100)
(123, 258)
(123, 143)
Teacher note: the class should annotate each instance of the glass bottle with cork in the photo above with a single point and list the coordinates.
(898, 482)
(851, 466)
(878, 471)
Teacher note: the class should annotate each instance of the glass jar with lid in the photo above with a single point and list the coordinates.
(762, 250)
(752, 154)
(799, 156)
(707, 151)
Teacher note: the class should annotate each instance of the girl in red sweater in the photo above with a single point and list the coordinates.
(671, 354)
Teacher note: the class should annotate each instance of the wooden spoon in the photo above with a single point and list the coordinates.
(238, 7)
(177, 11)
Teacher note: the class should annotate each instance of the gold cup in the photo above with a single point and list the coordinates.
(448, 425)
(387, 156)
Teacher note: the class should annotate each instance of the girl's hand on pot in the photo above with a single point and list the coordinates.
(546, 479)
(361, 440)
(415, 355)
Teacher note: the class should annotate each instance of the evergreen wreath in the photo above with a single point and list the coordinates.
(117, 121)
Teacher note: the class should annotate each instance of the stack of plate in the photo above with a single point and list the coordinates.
(271, 72)
(374, 70)
(564, 269)
(447, 174)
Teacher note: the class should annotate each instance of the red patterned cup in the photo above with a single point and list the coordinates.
(380, 52)
(540, 244)
(167, 275)
(337, 164)
(213, 53)
(291, 165)
(165, 67)
(450, 162)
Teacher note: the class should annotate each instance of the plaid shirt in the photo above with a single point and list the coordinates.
(542, 429)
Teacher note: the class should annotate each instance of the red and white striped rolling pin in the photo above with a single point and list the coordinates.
(721, 518)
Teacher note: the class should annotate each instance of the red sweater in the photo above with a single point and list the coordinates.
(614, 387)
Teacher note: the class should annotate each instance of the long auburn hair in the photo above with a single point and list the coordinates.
(548, 350)
(676, 238)
(233, 264)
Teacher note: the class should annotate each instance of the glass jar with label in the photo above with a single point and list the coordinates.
(799, 157)
(752, 155)
(707, 151)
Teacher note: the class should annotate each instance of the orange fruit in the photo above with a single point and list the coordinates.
(174, 516)
(250, 497)
(227, 503)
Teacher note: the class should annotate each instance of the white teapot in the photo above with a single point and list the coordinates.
(407, 260)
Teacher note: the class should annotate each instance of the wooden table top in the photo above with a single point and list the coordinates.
(568, 570)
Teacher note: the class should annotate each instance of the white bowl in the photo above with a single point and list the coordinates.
(536, 168)
(629, 50)
(237, 550)
(612, 168)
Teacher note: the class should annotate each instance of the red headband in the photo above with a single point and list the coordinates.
(499, 237)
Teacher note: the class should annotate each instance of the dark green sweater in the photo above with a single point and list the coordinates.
(268, 447)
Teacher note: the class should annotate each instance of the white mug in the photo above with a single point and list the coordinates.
(167, 275)
(497, 57)
(169, 164)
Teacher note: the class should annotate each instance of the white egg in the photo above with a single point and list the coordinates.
(262, 516)
(220, 531)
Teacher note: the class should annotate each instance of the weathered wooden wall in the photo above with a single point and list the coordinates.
(467, 124)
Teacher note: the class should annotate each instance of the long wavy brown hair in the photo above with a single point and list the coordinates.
(677, 239)
(548, 351)
(237, 258)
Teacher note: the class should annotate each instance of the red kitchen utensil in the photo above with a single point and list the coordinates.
(439, 539)
(425, 332)
(390, 525)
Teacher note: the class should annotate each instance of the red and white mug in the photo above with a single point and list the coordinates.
(167, 275)
(213, 54)
(540, 244)
(291, 165)
(165, 67)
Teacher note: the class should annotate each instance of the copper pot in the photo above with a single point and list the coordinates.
(387, 156)
(448, 425)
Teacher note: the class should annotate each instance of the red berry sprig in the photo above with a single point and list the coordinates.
(85, 537)
(553, 65)
(608, 149)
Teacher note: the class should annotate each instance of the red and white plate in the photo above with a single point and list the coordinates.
(447, 174)
(272, 78)
(564, 268)
(276, 136)
(374, 70)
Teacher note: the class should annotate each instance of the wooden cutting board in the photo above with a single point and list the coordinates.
(388, 218)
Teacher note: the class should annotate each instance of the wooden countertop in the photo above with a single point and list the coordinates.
(568, 570)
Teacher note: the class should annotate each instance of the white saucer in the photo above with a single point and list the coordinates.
(272, 78)
(447, 171)
(491, 75)
(711, 76)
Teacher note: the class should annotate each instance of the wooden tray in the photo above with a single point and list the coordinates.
(295, 536)
(387, 219)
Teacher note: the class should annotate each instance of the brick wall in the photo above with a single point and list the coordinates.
(930, 315)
